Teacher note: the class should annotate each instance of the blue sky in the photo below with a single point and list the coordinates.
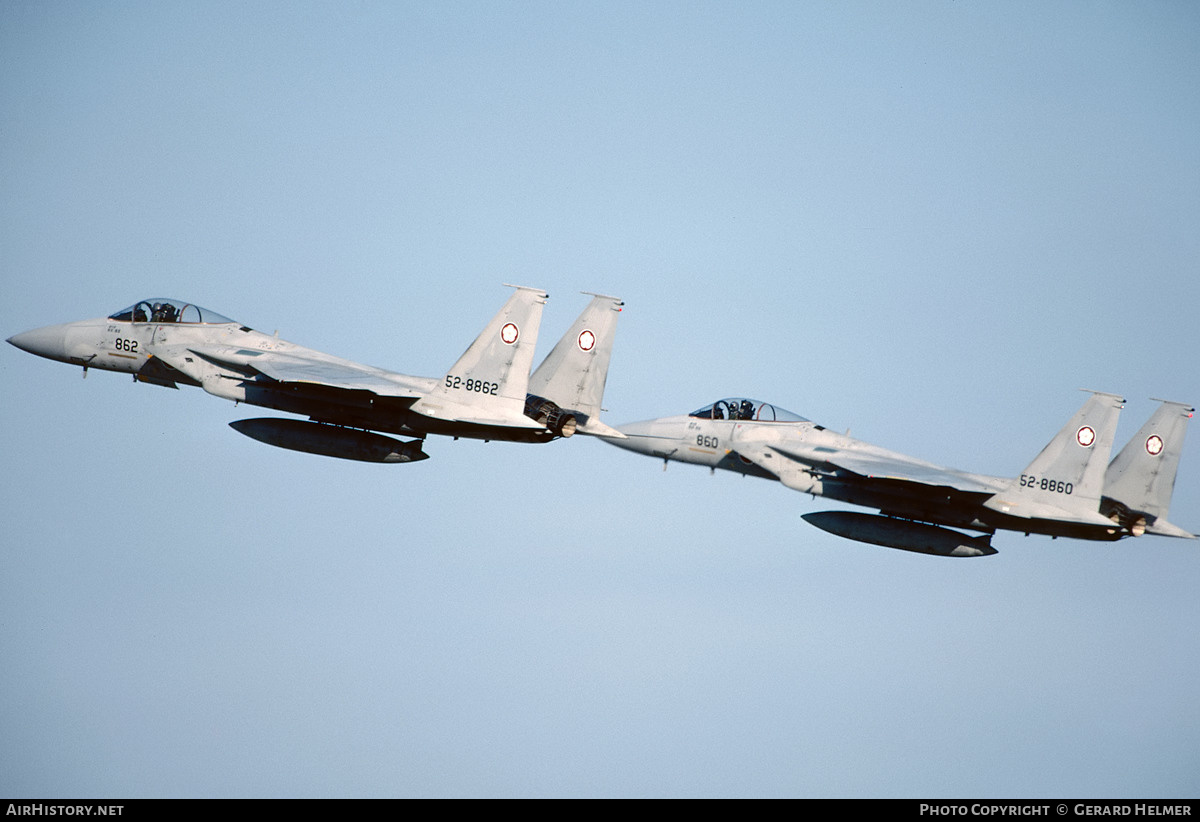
(928, 223)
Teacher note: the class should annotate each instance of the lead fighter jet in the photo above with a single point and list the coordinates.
(487, 394)
(1069, 490)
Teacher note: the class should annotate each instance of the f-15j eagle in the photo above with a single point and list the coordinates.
(487, 394)
(1069, 490)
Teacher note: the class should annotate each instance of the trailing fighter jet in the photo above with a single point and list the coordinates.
(487, 394)
(1069, 490)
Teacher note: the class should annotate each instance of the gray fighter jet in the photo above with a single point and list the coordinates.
(1069, 490)
(487, 394)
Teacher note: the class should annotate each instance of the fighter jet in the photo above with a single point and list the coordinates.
(1069, 490)
(487, 394)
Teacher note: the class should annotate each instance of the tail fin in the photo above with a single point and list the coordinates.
(574, 373)
(1066, 480)
(1140, 480)
(489, 382)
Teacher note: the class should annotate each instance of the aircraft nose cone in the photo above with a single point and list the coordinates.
(49, 342)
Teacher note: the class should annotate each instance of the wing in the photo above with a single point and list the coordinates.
(800, 467)
(901, 469)
(297, 369)
(330, 372)
(295, 380)
(887, 466)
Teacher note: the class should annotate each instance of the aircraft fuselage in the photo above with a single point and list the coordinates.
(220, 356)
(771, 449)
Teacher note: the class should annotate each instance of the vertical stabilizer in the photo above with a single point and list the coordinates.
(489, 381)
(574, 373)
(1141, 479)
(1066, 480)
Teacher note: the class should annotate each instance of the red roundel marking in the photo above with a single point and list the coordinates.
(509, 333)
(1154, 445)
(1085, 436)
(587, 340)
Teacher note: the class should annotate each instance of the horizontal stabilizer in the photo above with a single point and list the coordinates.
(1161, 528)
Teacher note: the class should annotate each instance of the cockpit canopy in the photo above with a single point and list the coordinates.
(159, 310)
(739, 408)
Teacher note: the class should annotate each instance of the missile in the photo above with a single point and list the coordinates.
(329, 440)
(901, 533)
